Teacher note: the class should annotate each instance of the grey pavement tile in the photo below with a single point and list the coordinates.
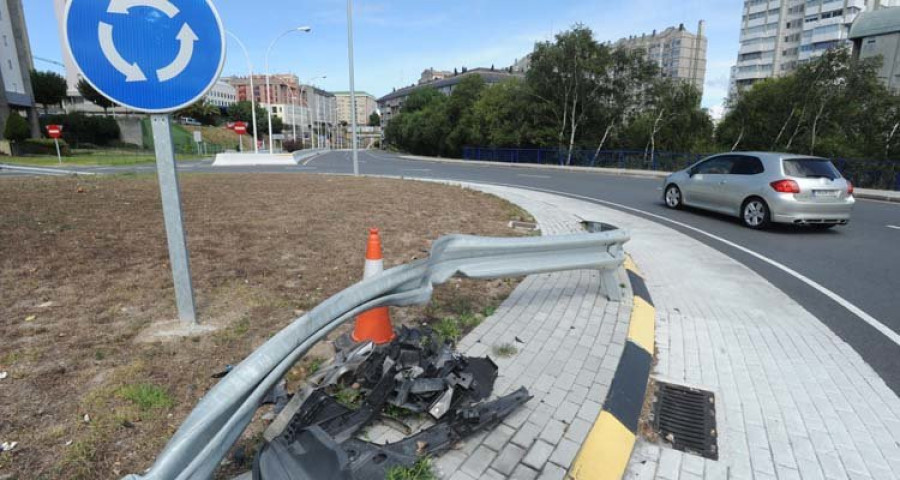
(498, 437)
(526, 435)
(478, 462)
(524, 472)
(508, 459)
(538, 454)
(565, 453)
(552, 472)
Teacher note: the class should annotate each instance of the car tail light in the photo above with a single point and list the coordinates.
(849, 188)
(785, 186)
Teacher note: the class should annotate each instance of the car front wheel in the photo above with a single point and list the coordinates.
(755, 214)
(673, 197)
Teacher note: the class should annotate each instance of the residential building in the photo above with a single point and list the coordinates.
(312, 114)
(365, 106)
(391, 104)
(222, 95)
(779, 35)
(282, 87)
(431, 75)
(678, 53)
(16, 64)
(877, 34)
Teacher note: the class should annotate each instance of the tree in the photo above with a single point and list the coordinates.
(374, 120)
(504, 116)
(460, 115)
(564, 76)
(832, 106)
(92, 95)
(421, 127)
(240, 112)
(17, 129)
(202, 111)
(49, 88)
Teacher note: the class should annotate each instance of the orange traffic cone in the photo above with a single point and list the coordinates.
(374, 325)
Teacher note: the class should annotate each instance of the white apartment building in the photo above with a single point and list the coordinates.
(222, 95)
(313, 117)
(778, 35)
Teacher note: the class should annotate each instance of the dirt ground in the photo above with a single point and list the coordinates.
(84, 269)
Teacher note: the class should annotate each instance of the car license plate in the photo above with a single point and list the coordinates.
(826, 193)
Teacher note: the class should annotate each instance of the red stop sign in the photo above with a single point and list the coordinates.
(240, 128)
(55, 131)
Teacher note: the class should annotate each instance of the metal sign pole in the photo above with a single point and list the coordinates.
(58, 154)
(171, 202)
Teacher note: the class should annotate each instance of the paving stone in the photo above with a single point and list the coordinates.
(524, 472)
(565, 453)
(478, 461)
(553, 431)
(566, 411)
(526, 435)
(552, 472)
(538, 454)
(508, 459)
(498, 437)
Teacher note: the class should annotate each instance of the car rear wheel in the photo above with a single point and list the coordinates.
(673, 197)
(755, 214)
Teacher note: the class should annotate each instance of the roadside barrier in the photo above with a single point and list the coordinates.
(220, 418)
(374, 325)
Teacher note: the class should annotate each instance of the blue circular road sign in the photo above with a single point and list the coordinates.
(155, 56)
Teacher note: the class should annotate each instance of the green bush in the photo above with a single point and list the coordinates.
(42, 146)
(80, 129)
(17, 128)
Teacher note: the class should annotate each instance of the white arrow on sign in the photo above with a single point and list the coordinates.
(122, 6)
(132, 71)
(187, 37)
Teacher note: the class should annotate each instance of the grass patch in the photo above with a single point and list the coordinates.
(505, 350)
(10, 358)
(91, 160)
(348, 397)
(422, 470)
(448, 329)
(146, 396)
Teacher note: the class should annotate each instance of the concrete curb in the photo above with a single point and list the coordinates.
(862, 193)
(607, 449)
(42, 170)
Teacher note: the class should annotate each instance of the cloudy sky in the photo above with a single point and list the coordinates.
(396, 40)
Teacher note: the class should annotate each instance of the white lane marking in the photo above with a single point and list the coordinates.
(532, 176)
(894, 227)
(884, 329)
(415, 169)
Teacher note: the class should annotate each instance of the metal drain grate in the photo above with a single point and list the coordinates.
(686, 418)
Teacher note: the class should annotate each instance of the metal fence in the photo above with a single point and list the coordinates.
(879, 174)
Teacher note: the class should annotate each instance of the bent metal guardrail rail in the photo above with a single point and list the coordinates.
(218, 420)
(879, 174)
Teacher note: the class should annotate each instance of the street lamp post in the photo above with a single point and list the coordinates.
(352, 87)
(268, 75)
(252, 91)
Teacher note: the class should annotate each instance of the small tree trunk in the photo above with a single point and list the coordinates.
(815, 126)
(654, 132)
(738, 141)
(602, 142)
(796, 131)
(887, 144)
(784, 127)
(574, 128)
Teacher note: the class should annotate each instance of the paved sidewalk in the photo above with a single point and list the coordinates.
(569, 340)
(794, 400)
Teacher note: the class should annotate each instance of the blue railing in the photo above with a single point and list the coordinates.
(880, 174)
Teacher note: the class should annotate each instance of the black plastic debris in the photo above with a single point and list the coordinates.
(417, 374)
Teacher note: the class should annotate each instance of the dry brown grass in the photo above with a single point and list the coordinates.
(84, 269)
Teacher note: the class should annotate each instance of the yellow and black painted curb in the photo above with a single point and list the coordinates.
(607, 448)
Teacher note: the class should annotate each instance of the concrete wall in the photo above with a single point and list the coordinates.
(888, 47)
(131, 131)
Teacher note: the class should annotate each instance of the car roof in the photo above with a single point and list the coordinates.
(772, 155)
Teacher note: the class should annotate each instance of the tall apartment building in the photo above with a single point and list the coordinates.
(877, 34)
(365, 105)
(778, 35)
(679, 53)
(282, 87)
(16, 64)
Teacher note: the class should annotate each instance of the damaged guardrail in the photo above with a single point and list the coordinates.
(218, 420)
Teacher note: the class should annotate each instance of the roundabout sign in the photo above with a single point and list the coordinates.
(154, 56)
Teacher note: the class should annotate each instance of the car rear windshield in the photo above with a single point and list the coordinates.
(810, 168)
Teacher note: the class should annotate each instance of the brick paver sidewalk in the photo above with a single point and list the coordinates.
(794, 400)
(569, 339)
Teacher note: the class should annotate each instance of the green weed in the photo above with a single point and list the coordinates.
(146, 396)
(421, 470)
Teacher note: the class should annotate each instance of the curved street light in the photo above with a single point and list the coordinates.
(268, 84)
(252, 90)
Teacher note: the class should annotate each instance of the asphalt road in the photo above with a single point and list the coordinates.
(841, 276)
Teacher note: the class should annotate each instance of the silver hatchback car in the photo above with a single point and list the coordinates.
(764, 187)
